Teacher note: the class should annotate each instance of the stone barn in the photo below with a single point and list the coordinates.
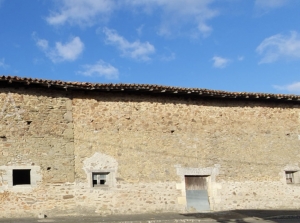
(70, 148)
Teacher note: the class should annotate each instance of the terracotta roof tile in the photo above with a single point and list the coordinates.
(148, 88)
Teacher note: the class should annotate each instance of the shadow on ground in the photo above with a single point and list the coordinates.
(234, 216)
(241, 216)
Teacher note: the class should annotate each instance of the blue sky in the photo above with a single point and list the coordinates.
(231, 45)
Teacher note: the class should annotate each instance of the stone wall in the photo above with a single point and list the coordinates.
(36, 132)
(147, 143)
(246, 146)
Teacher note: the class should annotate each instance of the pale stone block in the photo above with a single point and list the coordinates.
(40, 215)
(181, 200)
(69, 105)
(68, 133)
(179, 186)
(68, 116)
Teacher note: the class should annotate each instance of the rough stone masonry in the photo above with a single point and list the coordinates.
(77, 148)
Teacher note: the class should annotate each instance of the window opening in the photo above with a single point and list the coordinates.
(289, 175)
(21, 177)
(100, 179)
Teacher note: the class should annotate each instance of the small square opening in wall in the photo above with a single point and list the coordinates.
(21, 177)
(100, 179)
(289, 176)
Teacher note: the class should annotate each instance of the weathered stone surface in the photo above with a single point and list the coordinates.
(68, 196)
(147, 144)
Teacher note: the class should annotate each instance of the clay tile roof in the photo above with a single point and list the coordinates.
(147, 88)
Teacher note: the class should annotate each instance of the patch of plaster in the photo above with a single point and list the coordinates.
(208, 171)
(100, 161)
(292, 167)
(7, 181)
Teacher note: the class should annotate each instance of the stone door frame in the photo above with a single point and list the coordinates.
(210, 172)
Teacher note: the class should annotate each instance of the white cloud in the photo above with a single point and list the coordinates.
(69, 51)
(3, 64)
(135, 50)
(179, 14)
(269, 4)
(220, 62)
(176, 16)
(140, 30)
(265, 6)
(81, 12)
(279, 46)
(42, 44)
(170, 57)
(291, 88)
(240, 58)
(100, 69)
